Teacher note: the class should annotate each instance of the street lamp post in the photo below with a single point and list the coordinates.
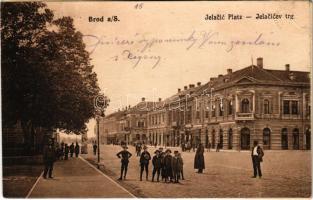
(101, 103)
(98, 141)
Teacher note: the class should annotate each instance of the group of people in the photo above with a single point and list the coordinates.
(169, 167)
(64, 150)
(53, 152)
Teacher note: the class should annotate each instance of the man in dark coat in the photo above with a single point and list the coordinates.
(124, 155)
(144, 162)
(66, 151)
(72, 148)
(94, 146)
(176, 166)
(257, 157)
(162, 155)
(182, 166)
(49, 157)
(167, 161)
(157, 164)
(77, 148)
(199, 159)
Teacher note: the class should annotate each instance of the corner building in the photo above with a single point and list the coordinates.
(234, 109)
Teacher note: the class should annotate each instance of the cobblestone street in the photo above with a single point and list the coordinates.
(227, 174)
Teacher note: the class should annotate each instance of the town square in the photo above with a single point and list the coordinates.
(152, 100)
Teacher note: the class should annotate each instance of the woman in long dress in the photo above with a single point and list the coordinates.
(199, 159)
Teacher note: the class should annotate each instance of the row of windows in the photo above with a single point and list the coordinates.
(156, 119)
(245, 138)
(289, 107)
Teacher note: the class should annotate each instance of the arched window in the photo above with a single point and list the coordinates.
(213, 109)
(230, 107)
(213, 139)
(245, 138)
(266, 106)
(295, 137)
(230, 138)
(221, 139)
(245, 106)
(221, 108)
(206, 138)
(266, 138)
(308, 139)
(284, 138)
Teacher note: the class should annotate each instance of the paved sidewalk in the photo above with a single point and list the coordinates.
(77, 178)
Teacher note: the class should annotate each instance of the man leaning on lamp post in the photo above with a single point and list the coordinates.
(257, 157)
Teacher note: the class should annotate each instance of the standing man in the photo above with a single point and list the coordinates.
(72, 149)
(144, 162)
(167, 161)
(162, 155)
(257, 157)
(124, 155)
(157, 164)
(199, 159)
(49, 158)
(77, 149)
(182, 166)
(94, 149)
(176, 166)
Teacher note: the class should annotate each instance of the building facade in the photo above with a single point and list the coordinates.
(232, 110)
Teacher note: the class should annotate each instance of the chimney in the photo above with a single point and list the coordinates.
(160, 99)
(178, 90)
(199, 83)
(259, 62)
(185, 87)
(229, 71)
(287, 67)
(220, 75)
(143, 99)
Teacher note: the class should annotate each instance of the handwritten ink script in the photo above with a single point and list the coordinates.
(139, 48)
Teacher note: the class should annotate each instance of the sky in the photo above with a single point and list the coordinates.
(157, 47)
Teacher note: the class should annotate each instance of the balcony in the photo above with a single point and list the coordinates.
(244, 116)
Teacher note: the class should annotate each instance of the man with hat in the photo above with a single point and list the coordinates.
(144, 162)
(124, 155)
(49, 157)
(157, 164)
(162, 155)
(176, 166)
(168, 165)
(257, 157)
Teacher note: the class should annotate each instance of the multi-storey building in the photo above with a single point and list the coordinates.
(233, 110)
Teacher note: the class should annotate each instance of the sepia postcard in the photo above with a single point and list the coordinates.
(134, 99)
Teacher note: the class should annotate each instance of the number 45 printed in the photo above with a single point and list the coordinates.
(139, 6)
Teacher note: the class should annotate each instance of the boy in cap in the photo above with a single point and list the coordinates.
(182, 166)
(162, 154)
(176, 166)
(144, 162)
(157, 164)
(168, 166)
(124, 155)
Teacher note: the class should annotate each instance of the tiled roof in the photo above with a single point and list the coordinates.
(253, 73)
(299, 76)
